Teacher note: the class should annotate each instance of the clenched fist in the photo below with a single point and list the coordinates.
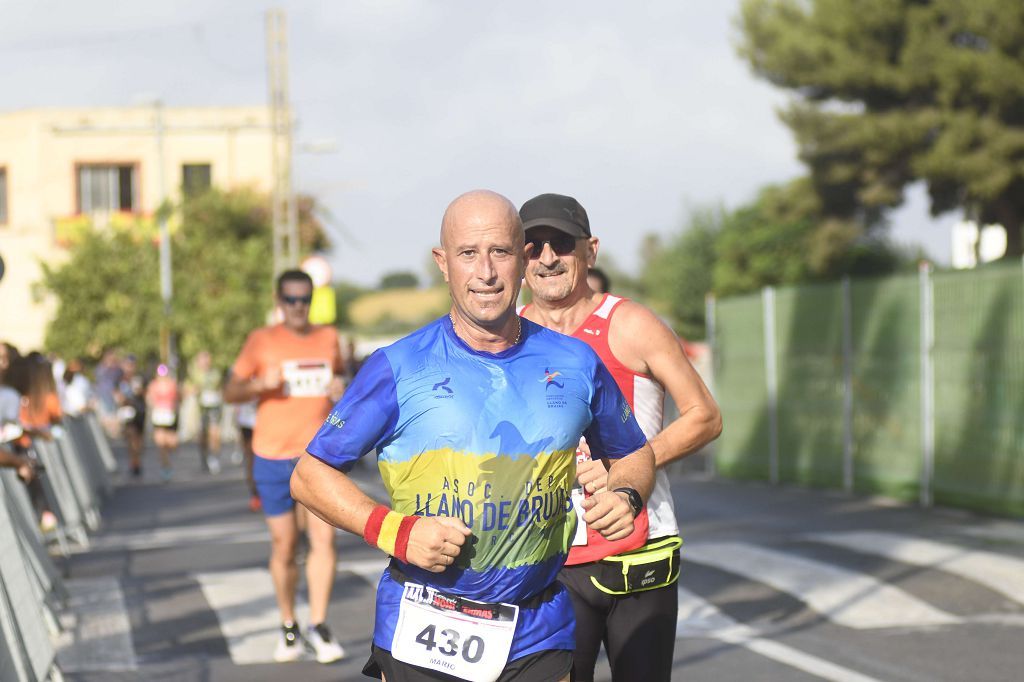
(610, 514)
(435, 541)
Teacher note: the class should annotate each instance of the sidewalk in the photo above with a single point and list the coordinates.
(140, 604)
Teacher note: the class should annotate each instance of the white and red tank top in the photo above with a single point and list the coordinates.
(647, 399)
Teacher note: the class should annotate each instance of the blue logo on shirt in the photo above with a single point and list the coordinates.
(511, 441)
(443, 385)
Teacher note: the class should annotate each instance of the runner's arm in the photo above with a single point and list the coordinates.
(653, 348)
(242, 390)
(609, 512)
(433, 543)
(249, 378)
(633, 471)
(331, 495)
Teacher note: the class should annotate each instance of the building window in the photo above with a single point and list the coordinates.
(195, 179)
(106, 188)
(3, 196)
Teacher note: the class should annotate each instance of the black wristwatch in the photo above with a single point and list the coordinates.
(635, 501)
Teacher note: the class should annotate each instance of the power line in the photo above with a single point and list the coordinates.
(198, 31)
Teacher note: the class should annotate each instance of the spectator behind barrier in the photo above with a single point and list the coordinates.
(108, 377)
(78, 393)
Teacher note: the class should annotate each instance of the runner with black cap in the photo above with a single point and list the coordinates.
(623, 591)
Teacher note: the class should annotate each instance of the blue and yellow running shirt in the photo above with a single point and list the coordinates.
(489, 438)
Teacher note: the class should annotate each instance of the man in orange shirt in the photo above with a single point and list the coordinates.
(294, 370)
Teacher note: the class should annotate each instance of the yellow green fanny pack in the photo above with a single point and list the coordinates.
(654, 565)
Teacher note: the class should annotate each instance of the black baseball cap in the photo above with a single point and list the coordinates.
(557, 211)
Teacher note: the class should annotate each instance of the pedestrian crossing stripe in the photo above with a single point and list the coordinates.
(246, 608)
(247, 611)
(845, 597)
(700, 618)
(1001, 573)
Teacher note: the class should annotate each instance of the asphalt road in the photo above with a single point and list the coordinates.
(778, 584)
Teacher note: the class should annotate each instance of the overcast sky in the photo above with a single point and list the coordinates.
(642, 111)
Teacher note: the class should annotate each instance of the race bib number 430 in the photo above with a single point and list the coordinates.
(468, 639)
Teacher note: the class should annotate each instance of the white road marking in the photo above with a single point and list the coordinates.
(247, 610)
(97, 634)
(699, 618)
(1001, 573)
(997, 531)
(845, 597)
(177, 536)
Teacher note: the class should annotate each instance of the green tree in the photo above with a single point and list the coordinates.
(108, 296)
(677, 276)
(222, 273)
(784, 237)
(893, 91)
(108, 291)
(399, 280)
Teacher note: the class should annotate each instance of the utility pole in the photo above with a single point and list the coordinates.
(167, 347)
(284, 208)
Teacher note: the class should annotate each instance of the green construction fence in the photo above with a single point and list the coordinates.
(910, 386)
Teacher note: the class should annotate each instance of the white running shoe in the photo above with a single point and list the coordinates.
(319, 639)
(290, 646)
(213, 461)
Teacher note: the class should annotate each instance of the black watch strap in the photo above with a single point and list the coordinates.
(635, 501)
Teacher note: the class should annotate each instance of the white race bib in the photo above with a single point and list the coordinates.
(580, 538)
(163, 416)
(468, 639)
(209, 398)
(306, 378)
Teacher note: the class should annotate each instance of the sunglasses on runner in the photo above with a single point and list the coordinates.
(562, 245)
(296, 300)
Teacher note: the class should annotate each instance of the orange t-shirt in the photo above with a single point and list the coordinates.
(287, 419)
(42, 419)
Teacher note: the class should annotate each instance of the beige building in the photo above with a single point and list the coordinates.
(62, 169)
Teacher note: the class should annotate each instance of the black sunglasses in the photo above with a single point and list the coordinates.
(562, 244)
(296, 300)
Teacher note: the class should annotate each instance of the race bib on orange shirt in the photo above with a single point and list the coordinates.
(306, 378)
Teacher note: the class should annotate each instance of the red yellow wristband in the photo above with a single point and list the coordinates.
(389, 531)
(373, 524)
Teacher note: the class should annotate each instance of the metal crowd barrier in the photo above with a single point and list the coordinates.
(75, 476)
